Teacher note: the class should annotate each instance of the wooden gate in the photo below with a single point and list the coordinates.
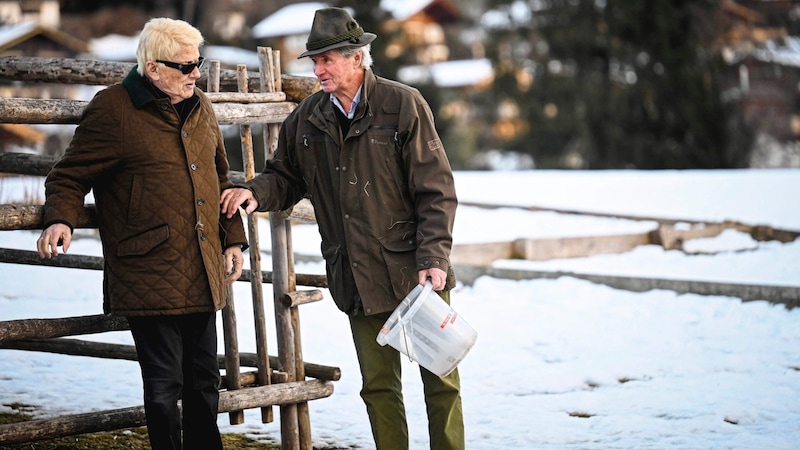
(281, 380)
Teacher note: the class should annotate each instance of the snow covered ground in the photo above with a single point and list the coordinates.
(560, 363)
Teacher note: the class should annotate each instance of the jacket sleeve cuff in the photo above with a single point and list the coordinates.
(244, 246)
(430, 262)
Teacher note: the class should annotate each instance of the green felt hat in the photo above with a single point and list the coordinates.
(334, 28)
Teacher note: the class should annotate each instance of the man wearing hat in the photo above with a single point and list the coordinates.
(365, 151)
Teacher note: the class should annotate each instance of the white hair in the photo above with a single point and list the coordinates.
(366, 54)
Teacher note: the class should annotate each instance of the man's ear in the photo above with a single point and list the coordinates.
(151, 69)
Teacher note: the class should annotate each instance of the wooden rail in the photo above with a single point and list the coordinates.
(275, 394)
(94, 72)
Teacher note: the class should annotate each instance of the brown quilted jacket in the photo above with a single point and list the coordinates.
(156, 185)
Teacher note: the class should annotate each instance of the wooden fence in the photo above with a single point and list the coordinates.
(278, 380)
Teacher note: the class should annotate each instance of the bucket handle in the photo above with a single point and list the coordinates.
(402, 321)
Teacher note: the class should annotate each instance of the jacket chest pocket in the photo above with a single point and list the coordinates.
(314, 157)
(383, 136)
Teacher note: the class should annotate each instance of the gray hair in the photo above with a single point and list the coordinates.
(366, 55)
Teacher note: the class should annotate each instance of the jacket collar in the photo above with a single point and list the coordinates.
(142, 91)
(323, 111)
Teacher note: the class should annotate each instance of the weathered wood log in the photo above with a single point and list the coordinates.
(313, 370)
(94, 72)
(48, 111)
(26, 164)
(252, 113)
(15, 330)
(275, 394)
(78, 347)
(10, 255)
(69, 425)
(15, 256)
(257, 294)
(60, 111)
(253, 397)
(63, 70)
(229, 324)
(296, 298)
(35, 165)
(244, 379)
(312, 280)
(29, 217)
(269, 72)
(246, 97)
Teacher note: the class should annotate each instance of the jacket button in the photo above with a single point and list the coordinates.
(337, 169)
(355, 264)
(185, 134)
(347, 216)
(202, 237)
(194, 166)
(344, 168)
(358, 131)
(201, 202)
(163, 107)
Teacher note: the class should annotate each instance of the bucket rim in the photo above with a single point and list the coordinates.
(399, 318)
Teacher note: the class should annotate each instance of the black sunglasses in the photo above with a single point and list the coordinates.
(185, 69)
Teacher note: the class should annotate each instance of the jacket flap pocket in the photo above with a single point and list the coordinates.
(142, 243)
(402, 240)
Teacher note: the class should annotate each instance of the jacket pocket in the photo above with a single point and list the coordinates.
(337, 269)
(399, 250)
(140, 244)
(137, 189)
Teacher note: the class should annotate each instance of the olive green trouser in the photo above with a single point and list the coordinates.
(382, 392)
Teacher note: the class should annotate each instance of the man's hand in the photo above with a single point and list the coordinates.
(231, 199)
(438, 277)
(234, 258)
(53, 236)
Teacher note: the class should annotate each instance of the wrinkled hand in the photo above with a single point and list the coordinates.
(53, 236)
(234, 259)
(438, 277)
(231, 199)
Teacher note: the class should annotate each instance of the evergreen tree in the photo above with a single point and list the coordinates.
(615, 84)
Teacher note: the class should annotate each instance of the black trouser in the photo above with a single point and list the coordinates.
(178, 358)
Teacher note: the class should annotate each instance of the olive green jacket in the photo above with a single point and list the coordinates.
(156, 185)
(383, 195)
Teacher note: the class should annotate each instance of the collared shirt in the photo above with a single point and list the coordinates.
(356, 99)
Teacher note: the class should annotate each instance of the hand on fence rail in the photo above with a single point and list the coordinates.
(57, 234)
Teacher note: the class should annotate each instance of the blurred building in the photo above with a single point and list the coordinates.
(764, 88)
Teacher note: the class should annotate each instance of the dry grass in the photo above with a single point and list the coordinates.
(128, 439)
(31, 190)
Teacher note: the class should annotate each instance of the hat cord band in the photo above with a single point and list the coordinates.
(350, 35)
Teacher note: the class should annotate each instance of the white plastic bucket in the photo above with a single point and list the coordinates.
(427, 330)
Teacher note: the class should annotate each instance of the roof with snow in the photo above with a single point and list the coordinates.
(289, 20)
(448, 74)
(403, 9)
(786, 53)
(13, 35)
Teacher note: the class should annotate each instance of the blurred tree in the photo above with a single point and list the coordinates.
(610, 84)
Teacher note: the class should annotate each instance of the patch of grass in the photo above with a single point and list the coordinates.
(126, 439)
